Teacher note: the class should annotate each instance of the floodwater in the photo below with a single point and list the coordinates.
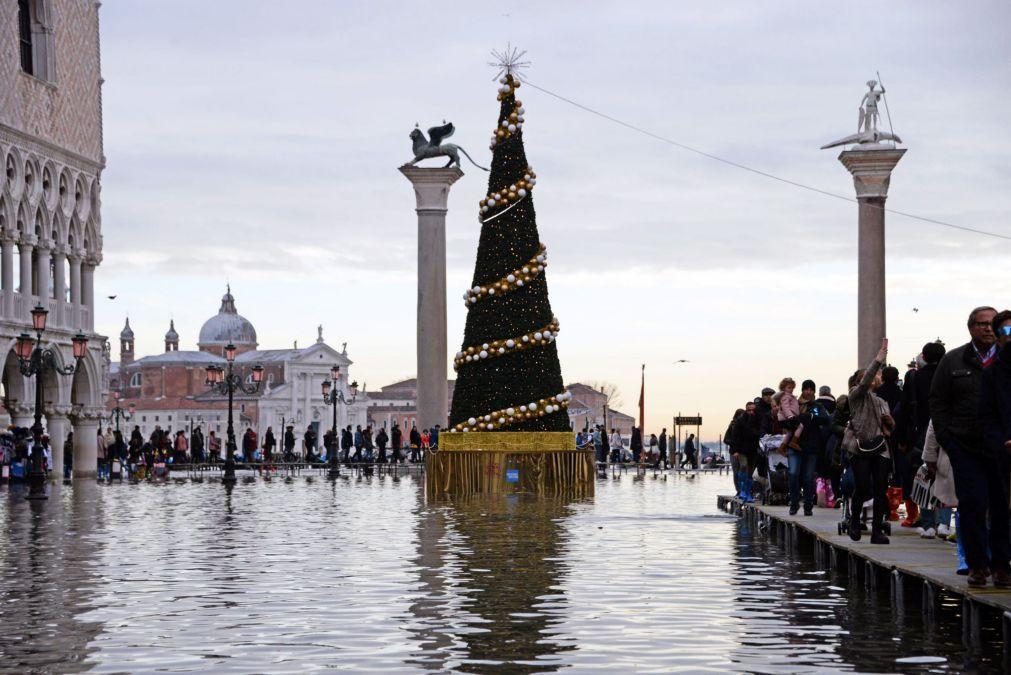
(302, 575)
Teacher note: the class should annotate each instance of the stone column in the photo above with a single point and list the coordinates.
(431, 189)
(7, 274)
(86, 445)
(43, 283)
(60, 284)
(57, 426)
(88, 290)
(75, 291)
(26, 273)
(872, 171)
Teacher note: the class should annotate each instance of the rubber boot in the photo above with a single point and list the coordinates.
(894, 499)
(912, 514)
(746, 485)
(963, 566)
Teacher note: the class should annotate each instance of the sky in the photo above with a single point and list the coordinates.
(257, 142)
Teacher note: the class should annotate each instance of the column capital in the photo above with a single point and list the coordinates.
(8, 238)
(431, 186)
(27, 241)
(60, 411)
(60, 250)
(871, 169)
(75, 255)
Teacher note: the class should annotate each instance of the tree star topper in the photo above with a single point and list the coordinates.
(508, 61)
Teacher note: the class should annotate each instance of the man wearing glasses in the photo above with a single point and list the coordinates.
(980, 476)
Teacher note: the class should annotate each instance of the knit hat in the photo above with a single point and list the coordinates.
(768, 391)
(825, 390)
(807, 384)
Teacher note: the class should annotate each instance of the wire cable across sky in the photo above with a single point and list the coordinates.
(744, 167)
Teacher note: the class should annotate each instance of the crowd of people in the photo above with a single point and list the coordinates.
(141, 457)
(656, 451)
(935, 444)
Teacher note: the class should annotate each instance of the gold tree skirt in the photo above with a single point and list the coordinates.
(496, 462)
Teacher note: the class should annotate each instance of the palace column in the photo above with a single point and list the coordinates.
(60, 284)
(7, 273)
(431, 190)
(75, 291)
(43, 283)
(88, 292)
(872, 171)
(25, 249)
(86, 425)
(57, 426)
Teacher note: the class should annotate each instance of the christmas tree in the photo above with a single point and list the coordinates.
(508, 375)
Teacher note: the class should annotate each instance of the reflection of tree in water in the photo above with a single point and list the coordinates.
(488, 566)
(47, 558)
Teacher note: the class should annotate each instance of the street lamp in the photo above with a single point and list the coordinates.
(118, 413)
(37, 360)
(225, 381)
(333, 396)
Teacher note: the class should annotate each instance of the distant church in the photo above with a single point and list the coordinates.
(169, 390)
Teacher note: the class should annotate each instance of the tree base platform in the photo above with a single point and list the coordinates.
(503, 462)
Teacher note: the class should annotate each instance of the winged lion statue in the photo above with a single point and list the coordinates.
(432, 146)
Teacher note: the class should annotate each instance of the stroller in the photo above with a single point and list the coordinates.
(775, 488)
(847, 485)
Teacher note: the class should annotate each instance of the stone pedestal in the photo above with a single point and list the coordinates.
(85, 447)
(872, 171)
(431, 188)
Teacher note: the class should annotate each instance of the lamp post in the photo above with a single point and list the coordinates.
(37, 360)
(226, 381)
(117, 413)
(333, 396)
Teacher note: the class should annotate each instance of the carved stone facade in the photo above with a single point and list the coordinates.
(50, 208)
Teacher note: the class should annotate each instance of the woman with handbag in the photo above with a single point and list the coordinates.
(865, 440)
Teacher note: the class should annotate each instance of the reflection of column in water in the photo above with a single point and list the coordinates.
(48, 562)
(487, 562)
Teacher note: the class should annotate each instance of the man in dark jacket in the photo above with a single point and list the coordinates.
(995, 417)
(347, 441)
(745, 446)
(396, 442)
(289, 444)
(663, 447)
(636, 444)
(954, 409)
(765, 416)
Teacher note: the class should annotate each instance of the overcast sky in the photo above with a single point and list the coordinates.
(257, 142)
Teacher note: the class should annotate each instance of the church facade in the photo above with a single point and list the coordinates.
(50, 211)
(169, 390)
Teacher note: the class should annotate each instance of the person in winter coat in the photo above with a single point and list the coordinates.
(197, 445)
(347, 442)
(954, 410)
(663, 448)
(871, 422)
(382, 438)
(359, 444)
(269, 443)
(803, 459)
(746, 433)
(937, 523)
(289, 444)
(635, 445)
(995, 418)
(396, 442)
(415, 438)
(616, 447)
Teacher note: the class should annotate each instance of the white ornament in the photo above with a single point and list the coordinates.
(491, 426)
(510, 344)
(491, 291)
(532, 406)
(487, 418)
(540, 268)
(510, 411)
(469, 358)
(540, 258)
(532, 181)
(472, 421)
(526, 338)
(511, 278)
(484, 346)
(484, 209)
(523, 408)
(520, 110)
(511, 128)
(521, 192)
(501, 420)
(505, 123)
(526, 270)
(476, 289)
(483, 354)
(538, 335)
(519, 282)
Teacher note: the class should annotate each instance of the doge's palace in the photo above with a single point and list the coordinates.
(50, 216)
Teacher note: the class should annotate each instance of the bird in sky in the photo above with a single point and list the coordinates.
(916, 309)
(682, 361)
(112, 297)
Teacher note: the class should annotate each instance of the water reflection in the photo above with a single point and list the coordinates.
(290, 576)
(49, 571)
(493, 571)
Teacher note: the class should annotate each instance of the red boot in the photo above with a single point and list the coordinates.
(912, 514)
(894, 499)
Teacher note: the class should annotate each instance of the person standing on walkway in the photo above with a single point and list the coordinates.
(745, 445)
(870, 423)
(396, 442)
(689, 452)
(616, 447)
(359, 439)
(995, 420)
(415, 438)
(382, 438)
(635, 445)
(197, 445)
(954, 411)
(269, 443)
(663, 447)
(289, 443)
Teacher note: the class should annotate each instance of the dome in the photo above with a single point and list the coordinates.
(127, 332)
(227, 326)
(172, 335)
